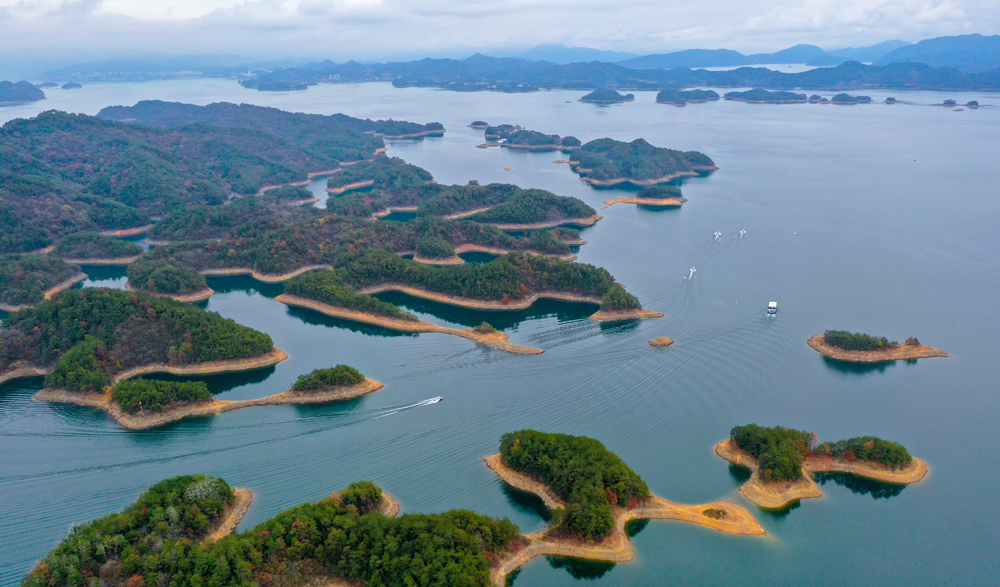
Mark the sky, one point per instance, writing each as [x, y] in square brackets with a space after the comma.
[61, 32]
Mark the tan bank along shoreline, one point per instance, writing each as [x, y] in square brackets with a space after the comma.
[616, 547]
[817, 342]
[49, 293]
[778, 494]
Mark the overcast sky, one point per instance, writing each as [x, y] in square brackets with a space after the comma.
[67, 31]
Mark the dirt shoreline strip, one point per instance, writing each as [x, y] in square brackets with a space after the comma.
[497, 340]
[232, 516]
[778, 494]
[196, 296]
[670, 202]
[616, 547]
[49, 293]
[817, 342]
[104, 261]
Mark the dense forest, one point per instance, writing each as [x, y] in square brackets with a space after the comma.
[156, 541]
[582, 472]
[512, 135]
[90, 334]
[323, 379]
[325, 287]
[24, 279]
[396, 184]
[608, 159]
[353, 138]
[19, 92]
[658, 192]
[779, 451]
[759, 95]
[93, 245]
[675, 96]
[868, 448]
[859, 342]
[152, 395]
[607, 95]
[159, 276]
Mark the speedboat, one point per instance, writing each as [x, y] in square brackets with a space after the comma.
[772, 307]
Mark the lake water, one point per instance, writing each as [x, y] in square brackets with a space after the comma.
[875, 218]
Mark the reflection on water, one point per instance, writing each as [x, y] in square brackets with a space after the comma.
[849, 368]
[500, 319]
[477, 258]
[315, 318]
[220, 382]
[580, 568]
[635, 526]
[740, 474]
[782, 512]
[526, 501]
[244, 283]
[861, 485]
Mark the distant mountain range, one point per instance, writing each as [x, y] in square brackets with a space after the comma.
[968, 53]
[155, 68]
[808, 54]
[561, 54]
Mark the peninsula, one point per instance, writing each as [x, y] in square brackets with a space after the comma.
[94, 248]
[16, 93]
[119, 335]
[683, 97]
[761, 96]
[782, 461]
[159, 278]
[655, 195]
[592, 494]
[139, 404]
[28, 279]
[865, 348]
[607, 162]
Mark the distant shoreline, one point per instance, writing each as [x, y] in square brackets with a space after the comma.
[671, 202]
[196, 296]
[104, 260]
[646, 182]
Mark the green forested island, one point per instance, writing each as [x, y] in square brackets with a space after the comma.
[323, 379]
[761, 96]
[861, 342]
[160, 540]
[843, 98]
[579, 470]
[93, 245]
[610, 162]
[507, 135]
[781, 452]
[113, 331]
[607, 96]
[152, 395]
[158, 276]
[12, 93]
[24, 279]
[682, 97]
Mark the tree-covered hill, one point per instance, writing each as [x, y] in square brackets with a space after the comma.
[582, 472]
[606, 96]
[515, 136]
[157, 541]
[760, 95]
[24, 279]
[610, 160]
[88, 335]
[22, 91]
[674, 96]
[93, 245]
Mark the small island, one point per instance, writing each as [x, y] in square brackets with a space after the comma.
[683, 97]
[20, 92]
[71, 86]
[28, 279]
[661, 341]
[666, 196]
[849, 99]
[479, 124]
[183, 525]
[159, 278]
[607, 162]
[138, 404]
[119, 335]
[761, 96]
[782, 461]
[891, 100]
[607, 96]
[94, 248]
[842, 345]
[516, 137]
[592, 494]
[291, 195]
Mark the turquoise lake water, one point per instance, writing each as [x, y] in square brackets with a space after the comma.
[877, 218]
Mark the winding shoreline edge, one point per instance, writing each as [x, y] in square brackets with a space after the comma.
[616, 547]
[817, 342]
[775, 495]
[49, 293]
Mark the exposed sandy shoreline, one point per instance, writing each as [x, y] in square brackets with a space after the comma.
[647, 182]
[634, 314]
[775, 494]
[128, 231]
[616, 547]
[661, 341]
[520, 304]
[351, 186]
[195, 296]
[588, 221]
[466, 214]
[453, 260]
[817, 342]
[22, 372]
[232, 516]
[104, 261]
[388, 505]
[391, 209]
[473, 248]
[647, 201]
[265, 277]
[49, 293]
[497, 340]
